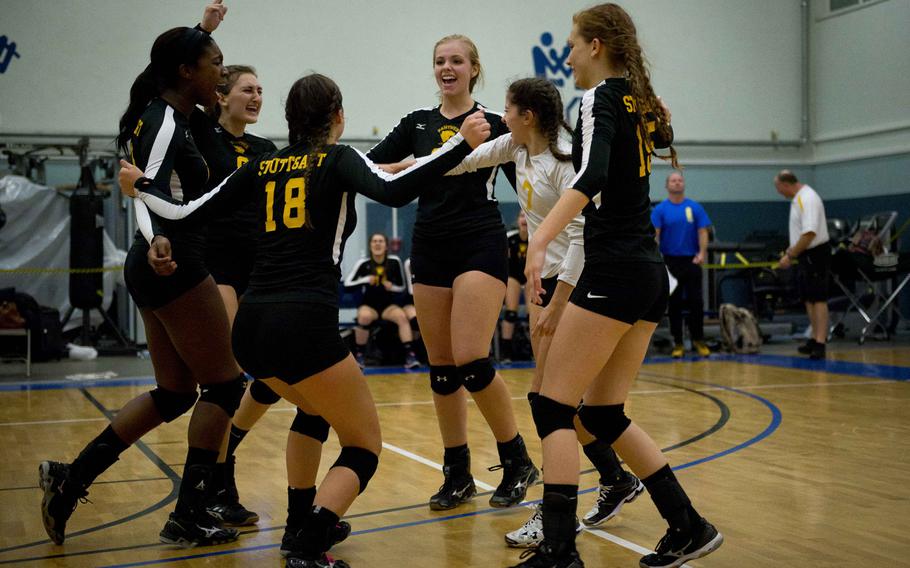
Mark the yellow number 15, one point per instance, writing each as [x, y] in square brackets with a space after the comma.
[294, 215]
[645, 147]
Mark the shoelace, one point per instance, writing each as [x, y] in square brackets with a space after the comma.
[604, 493]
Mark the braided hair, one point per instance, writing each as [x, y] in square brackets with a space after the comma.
[614, 28]
[311, 104]
[541, 97]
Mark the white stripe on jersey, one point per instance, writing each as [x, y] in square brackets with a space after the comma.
[339, 230]
[491, 187]
[161, 144]
[450, 144]
[156, 158]
[587, 131]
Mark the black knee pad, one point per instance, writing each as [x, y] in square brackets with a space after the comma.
[532, 396]
[227, 395]
[170, 404]
[510, 316]
[414, 325]
[477, 375]
[444, 379]
[606, 422]
[550, 416]
[310, 425]
[360, 461]
[262, 394]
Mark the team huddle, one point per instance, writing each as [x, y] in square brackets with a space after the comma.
[246, 240]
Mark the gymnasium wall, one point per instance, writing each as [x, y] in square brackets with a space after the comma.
[78, 59]
[731, 72]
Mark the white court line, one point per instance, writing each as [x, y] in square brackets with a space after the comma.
[429, 402]
[42, 422]
[430, 463]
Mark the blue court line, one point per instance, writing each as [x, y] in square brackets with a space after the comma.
[776, 418]
[867, 370]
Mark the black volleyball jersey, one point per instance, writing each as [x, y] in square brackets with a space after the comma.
[224, 153]
[370, 275]
[612, 157]
[162, 145]
[305, 211]
[456, 205]
[518, 253]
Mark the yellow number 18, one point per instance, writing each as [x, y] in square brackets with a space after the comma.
[294, 215]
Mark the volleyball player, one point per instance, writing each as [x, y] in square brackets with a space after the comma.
[459, 268]
[518, 250]
[286, 331]
[540, 150]
[222, 137]
[619, 298]
[185, 69]
[382, 278]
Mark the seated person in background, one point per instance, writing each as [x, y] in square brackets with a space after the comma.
[408, 299]
[382, 278]
[682, 232]
[518, 250]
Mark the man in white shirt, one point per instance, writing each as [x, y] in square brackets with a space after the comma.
[809, 244]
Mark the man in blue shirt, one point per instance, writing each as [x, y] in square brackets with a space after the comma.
[682, 232]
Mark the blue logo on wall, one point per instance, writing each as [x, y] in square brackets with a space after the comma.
[7, 52]
[550, 63]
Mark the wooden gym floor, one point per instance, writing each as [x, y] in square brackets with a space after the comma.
[797, 463]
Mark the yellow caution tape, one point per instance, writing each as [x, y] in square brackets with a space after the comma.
[746, 264]
[28, 270]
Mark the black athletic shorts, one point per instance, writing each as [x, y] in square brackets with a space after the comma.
[548, 284]
[517, 270]
[624, 291]
[288, 340]
[148, 289]
[812, 273]
[437, 262]
[378, 305]
[230, 266]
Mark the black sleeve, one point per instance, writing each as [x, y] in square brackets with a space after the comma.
[232, 193]
[356, 172]
[598, 127]
[358, 276]
[396, 146]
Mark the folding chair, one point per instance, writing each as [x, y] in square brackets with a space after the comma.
[868, 261]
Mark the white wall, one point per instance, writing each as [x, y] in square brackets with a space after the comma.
[860, 71]
[729, 69]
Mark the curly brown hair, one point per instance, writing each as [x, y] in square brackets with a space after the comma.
[614, 28]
